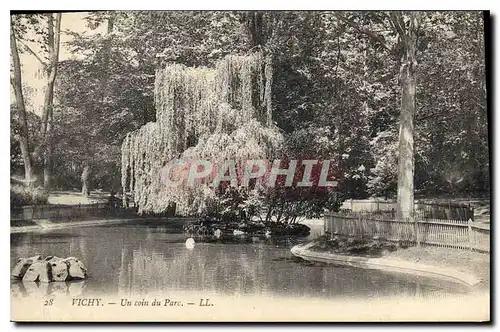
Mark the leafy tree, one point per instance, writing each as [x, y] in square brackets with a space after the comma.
[43, 29]
[345, 85]
[110, 89]
[405, 28]
[23, 136]
[451, 126]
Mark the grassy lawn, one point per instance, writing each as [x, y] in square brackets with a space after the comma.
[472, 262]
[75, 198]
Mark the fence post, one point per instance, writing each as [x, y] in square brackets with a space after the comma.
[326, 221]
[470, 212]
[359, 227]
[469, 230]
[330, 219]
[417, 237]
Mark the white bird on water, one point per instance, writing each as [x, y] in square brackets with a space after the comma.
[218, 233]
[190, 243]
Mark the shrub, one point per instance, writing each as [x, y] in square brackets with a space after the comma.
[22, 195]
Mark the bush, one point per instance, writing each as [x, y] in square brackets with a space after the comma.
[22, 195]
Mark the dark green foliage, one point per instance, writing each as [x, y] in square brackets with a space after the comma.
[355, 247]
[21, 195]
[206, 227]
[335, 94]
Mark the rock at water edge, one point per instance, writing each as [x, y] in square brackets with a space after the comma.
[77, 269]
[23, 265]
[38, 271]
[59, 269]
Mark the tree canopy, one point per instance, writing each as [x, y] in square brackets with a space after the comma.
[336, 93]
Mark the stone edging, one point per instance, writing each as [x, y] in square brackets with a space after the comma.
[303, 252]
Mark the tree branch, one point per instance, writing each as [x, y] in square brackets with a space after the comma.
[392, 21]
[398, 23]
[374, 36]
[32, 52]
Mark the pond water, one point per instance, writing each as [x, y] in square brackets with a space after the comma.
[141, 258]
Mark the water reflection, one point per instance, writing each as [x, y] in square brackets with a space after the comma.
[136, 260]
[32, 289]
[258, 269]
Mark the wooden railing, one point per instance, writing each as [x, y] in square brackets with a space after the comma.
[58, 212]
[435, 232]
[451, 211]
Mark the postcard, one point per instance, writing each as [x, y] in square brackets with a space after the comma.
[250, 166]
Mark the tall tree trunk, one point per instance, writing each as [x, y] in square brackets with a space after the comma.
[262, 28]
[408, 81]
[111, 22]
[51, 71]
[407, 36]
[47, 169]
[85, 181]
[253, 23]
[18, 92]
[406, 160]
[46, 123]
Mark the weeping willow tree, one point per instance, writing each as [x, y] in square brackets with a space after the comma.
[201, 113]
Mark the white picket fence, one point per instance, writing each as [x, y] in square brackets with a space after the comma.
[435, 232]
